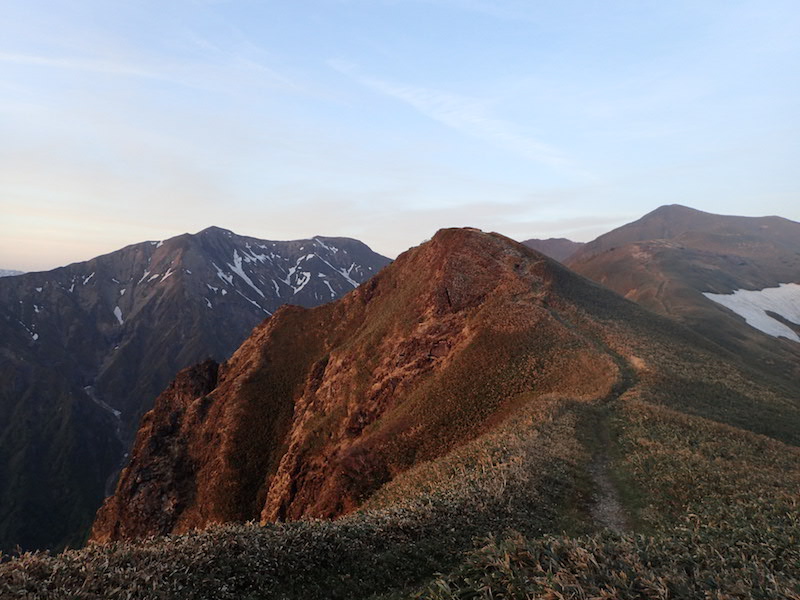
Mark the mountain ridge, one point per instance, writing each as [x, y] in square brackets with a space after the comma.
[436, 350]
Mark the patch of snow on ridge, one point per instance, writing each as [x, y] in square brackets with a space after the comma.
[332, 249]
[328, 283]
[118, 314]
[346, 274]
[752, 306]
[236, 267]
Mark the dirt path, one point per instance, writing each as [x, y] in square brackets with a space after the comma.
[605, 508]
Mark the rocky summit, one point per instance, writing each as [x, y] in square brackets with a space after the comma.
[320, 408]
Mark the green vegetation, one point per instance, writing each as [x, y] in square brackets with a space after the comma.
[721, 509]
[546, 411]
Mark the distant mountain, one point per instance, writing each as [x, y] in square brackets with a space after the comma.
[688, 264]
[87, 348]
[557, 248]
[10, 272]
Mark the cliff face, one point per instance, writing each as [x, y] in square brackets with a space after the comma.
[320, 407]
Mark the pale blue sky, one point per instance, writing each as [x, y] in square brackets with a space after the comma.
[128, 120]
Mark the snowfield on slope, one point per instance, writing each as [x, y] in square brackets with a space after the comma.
[752, 305]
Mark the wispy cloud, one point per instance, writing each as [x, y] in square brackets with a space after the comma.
[79, 64]
[201, 74]
[466, 115]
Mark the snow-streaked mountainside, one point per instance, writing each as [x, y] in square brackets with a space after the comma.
[86, 348]
[10, 272]
[755, 306]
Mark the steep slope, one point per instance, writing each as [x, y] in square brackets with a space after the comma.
[321, 408]
[678, 261]
[9, 272]
[479, 404]
[557, 248]
[87, 347]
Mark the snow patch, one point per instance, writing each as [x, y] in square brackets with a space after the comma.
[167, 274]
[328, 283]
[118, 314]
[302, 279]
[208, 302]
[122, 292]
[224, 276]
[90, 392]
[87, 279]
[146, 273]
[332, 249]
[253, 302]
[159, 244]
[156, 276]
[236, 267]
[38, 289]
[752, 306]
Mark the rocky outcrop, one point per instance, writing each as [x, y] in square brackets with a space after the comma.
[321, 407]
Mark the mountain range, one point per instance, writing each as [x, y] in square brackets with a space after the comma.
[476, 420]
[87, 348]
[321, 408]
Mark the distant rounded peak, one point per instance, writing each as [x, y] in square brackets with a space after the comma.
[669, 210]
[214, 230]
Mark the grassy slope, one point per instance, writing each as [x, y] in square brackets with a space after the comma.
[714, 506]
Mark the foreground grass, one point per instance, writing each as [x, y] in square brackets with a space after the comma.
[723, 507]
[514, 478]
[503, 516]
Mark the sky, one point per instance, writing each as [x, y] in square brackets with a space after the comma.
[384, 120]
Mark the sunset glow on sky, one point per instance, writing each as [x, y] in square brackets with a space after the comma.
[385, 120]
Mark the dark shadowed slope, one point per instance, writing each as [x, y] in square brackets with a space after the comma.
[558, 248]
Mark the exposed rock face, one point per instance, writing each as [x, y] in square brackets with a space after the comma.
[558, 248]
[319, 408]
[667, 259]
[86, 348]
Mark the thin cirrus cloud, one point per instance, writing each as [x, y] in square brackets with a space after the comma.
[209, 72]
[466, 115]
